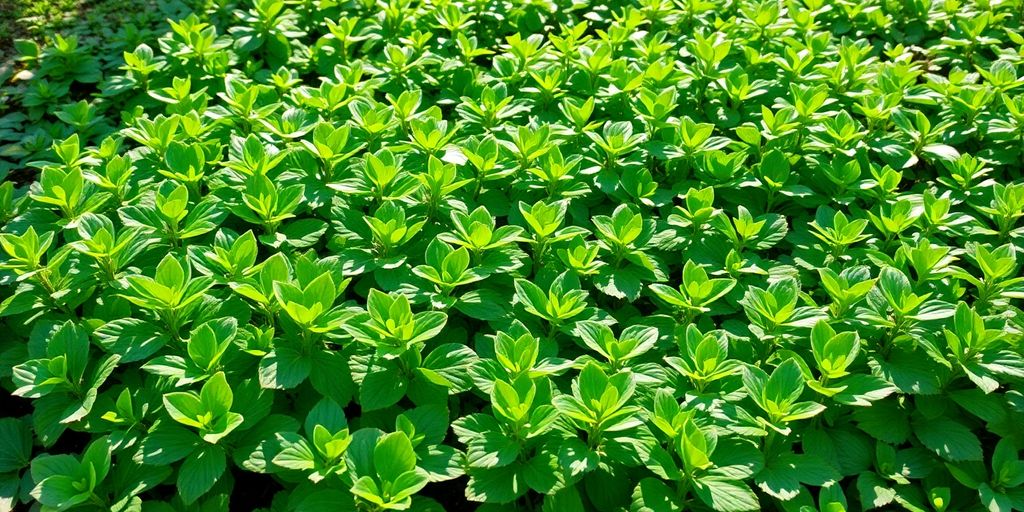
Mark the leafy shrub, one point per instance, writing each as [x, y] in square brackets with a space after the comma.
[67, 51]
[525, 255]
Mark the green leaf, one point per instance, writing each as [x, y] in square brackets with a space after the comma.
[60, 492]
[736, 459]
[576, 459]
[166, 444]
[326, 413]
[442, 463]
[785, 383]
[874, 491]
[606, 490]
[366, 488]
[382, 388]
[284, 368]
[296, 453]
[652, 495]
[393, 456]
[913, 373]
[48, 415]
[96, 459]
[884, 421]
[302, 233]
[9, 486]
[726, 495]
[316, 500]
[861, 390]
[133, 339]
[452, 362]
[483, 304]
[498, 485]
[948, 438]
[200, 471]
[407, 484]
[621, 283]
[784, 473]
[184, 407]
[71, 342]
[216, 395]
[170, 273]
[15, 445]
[532, 297]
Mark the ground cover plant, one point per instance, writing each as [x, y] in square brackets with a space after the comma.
[53, 54]
[546, 255]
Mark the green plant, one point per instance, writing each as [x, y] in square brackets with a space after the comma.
[553, 256]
